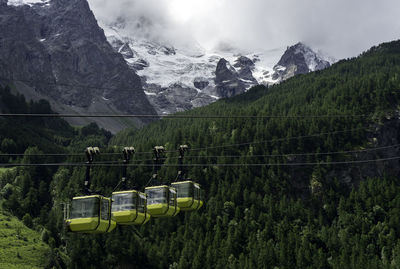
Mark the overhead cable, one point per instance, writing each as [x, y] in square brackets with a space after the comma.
[198, 149]
[173, 116]
[207, 164]
[278, 139]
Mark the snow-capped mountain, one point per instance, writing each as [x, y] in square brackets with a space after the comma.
[299, 59]
[177, 78]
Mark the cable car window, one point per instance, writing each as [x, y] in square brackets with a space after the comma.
[156, 196]
[172, 195]
[124, 201]
[85, 208]
[142, 203]
[184, 189]
[105, 207]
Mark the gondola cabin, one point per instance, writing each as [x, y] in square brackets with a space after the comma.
[91, 214]
[188, 195]
[130, 207]
[161, 201]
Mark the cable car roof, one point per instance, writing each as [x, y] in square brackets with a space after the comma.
[157, 187]
[128, 191]
[182, 182]
[89, 196]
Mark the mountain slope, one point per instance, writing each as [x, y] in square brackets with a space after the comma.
[57, 49]
[20, 246]
[343, 89]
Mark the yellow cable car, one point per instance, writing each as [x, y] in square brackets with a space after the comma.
[130, 207]
[91, 214]
[188, 195]
[162, 201]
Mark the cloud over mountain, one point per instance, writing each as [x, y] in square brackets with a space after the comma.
[342, 28]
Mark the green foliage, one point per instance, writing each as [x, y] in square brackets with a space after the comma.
[27, 220]
[20, 247]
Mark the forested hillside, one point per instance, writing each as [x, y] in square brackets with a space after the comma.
[27, 192]
[314, 185]
[20, 247]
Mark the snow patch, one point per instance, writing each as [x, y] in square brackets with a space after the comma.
[150, 93]
[264, 62]
[28, 2]
[246, 81]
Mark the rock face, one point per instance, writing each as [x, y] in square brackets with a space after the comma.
[58, 50]
[200, 83]
[245, 68]
[175, 98]
[298, 59]
[227, 80]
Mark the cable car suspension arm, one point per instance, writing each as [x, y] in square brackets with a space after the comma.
[158, 152]
[90, 153]
[128, 153]
[182, 149]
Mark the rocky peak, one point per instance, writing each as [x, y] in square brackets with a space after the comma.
[243, 61]
[298, 59]
[227, 80]
[245, 68]
[224, 71]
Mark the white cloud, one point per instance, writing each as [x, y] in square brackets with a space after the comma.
[342, 28]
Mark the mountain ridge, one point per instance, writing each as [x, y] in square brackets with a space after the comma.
[162, 67]
[64, 54]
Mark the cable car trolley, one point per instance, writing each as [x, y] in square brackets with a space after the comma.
[90, 213]
[161, 199]
[129, 206]
[189, 193]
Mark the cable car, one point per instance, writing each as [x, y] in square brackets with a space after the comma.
[162, 201]
[130, 207]
[91, 214]
[188, 195]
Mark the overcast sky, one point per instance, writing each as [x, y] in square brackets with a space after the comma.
[341, 28]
